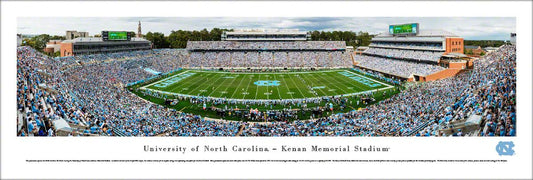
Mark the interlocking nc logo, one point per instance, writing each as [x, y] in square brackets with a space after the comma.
[505, 148]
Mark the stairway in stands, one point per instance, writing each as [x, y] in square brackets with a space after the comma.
[117, 132]
[241, 129]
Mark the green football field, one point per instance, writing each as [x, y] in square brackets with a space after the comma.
[255, 86]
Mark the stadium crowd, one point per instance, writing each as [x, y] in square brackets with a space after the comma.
[267, 59]
[397, 67]
[423, 110]
[88, 92]
[431, 56]
[91, 97]
[410, 45]
[266, 45]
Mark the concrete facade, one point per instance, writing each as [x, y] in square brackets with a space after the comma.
[75, 34]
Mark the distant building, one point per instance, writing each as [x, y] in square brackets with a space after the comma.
[81, 46]
[490, 49]
[52, 46]
[75, 34]
[441, 41]
[476, 50]
[19, 40]
[513, 38]
[266, 35]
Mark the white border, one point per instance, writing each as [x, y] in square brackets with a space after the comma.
[15, 150]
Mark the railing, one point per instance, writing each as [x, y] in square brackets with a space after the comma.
[410, 133]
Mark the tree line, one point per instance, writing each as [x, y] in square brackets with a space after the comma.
[179, 38]
[39, 42]
[484, 43]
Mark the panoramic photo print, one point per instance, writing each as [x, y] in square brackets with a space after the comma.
[272, 76]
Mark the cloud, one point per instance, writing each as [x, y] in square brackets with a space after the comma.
[467, 27]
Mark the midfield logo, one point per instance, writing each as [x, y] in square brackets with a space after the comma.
[267, 83]
[505, 148]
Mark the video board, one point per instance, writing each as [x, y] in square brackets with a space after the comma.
[116, 36]
[404, 29]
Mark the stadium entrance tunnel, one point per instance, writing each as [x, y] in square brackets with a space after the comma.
[416, 77]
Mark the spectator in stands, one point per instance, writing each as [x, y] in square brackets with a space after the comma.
[88, 91]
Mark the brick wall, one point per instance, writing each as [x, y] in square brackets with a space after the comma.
[454, 45]
[442, 74]
[49, 50]
[66, 49]
[457, 65]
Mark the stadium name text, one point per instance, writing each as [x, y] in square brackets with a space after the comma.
[345, 148]
[360, 79]
[254, 148]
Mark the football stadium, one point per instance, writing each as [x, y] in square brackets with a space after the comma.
[408, 81]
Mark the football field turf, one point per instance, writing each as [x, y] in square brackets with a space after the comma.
[256, 86]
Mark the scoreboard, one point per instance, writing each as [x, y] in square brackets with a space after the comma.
[404, 29]
[116, 36]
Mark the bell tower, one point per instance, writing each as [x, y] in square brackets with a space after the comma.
[139, 30]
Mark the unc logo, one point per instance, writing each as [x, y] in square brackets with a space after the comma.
[267, 83]
[505, 148]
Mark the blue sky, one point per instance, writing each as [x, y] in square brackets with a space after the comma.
[471, 28]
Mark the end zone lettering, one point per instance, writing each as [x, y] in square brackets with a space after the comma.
[173, 80]
[359, 79]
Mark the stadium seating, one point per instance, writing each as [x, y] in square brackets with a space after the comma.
[431, 56]
[266, 45]
[397, 67]
[410, 45]
[88, 91]
[269, 54]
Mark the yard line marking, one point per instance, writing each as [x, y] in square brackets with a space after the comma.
[257, 89]
[237, 88]
[181, 110]
[231, 84]
[297, 87]
[221, 77]
[267, 93]
[203, 83]
[200, 83]
[247, 86]
[325, 94]
[333, 84]
[287, 86]
[279, 93]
